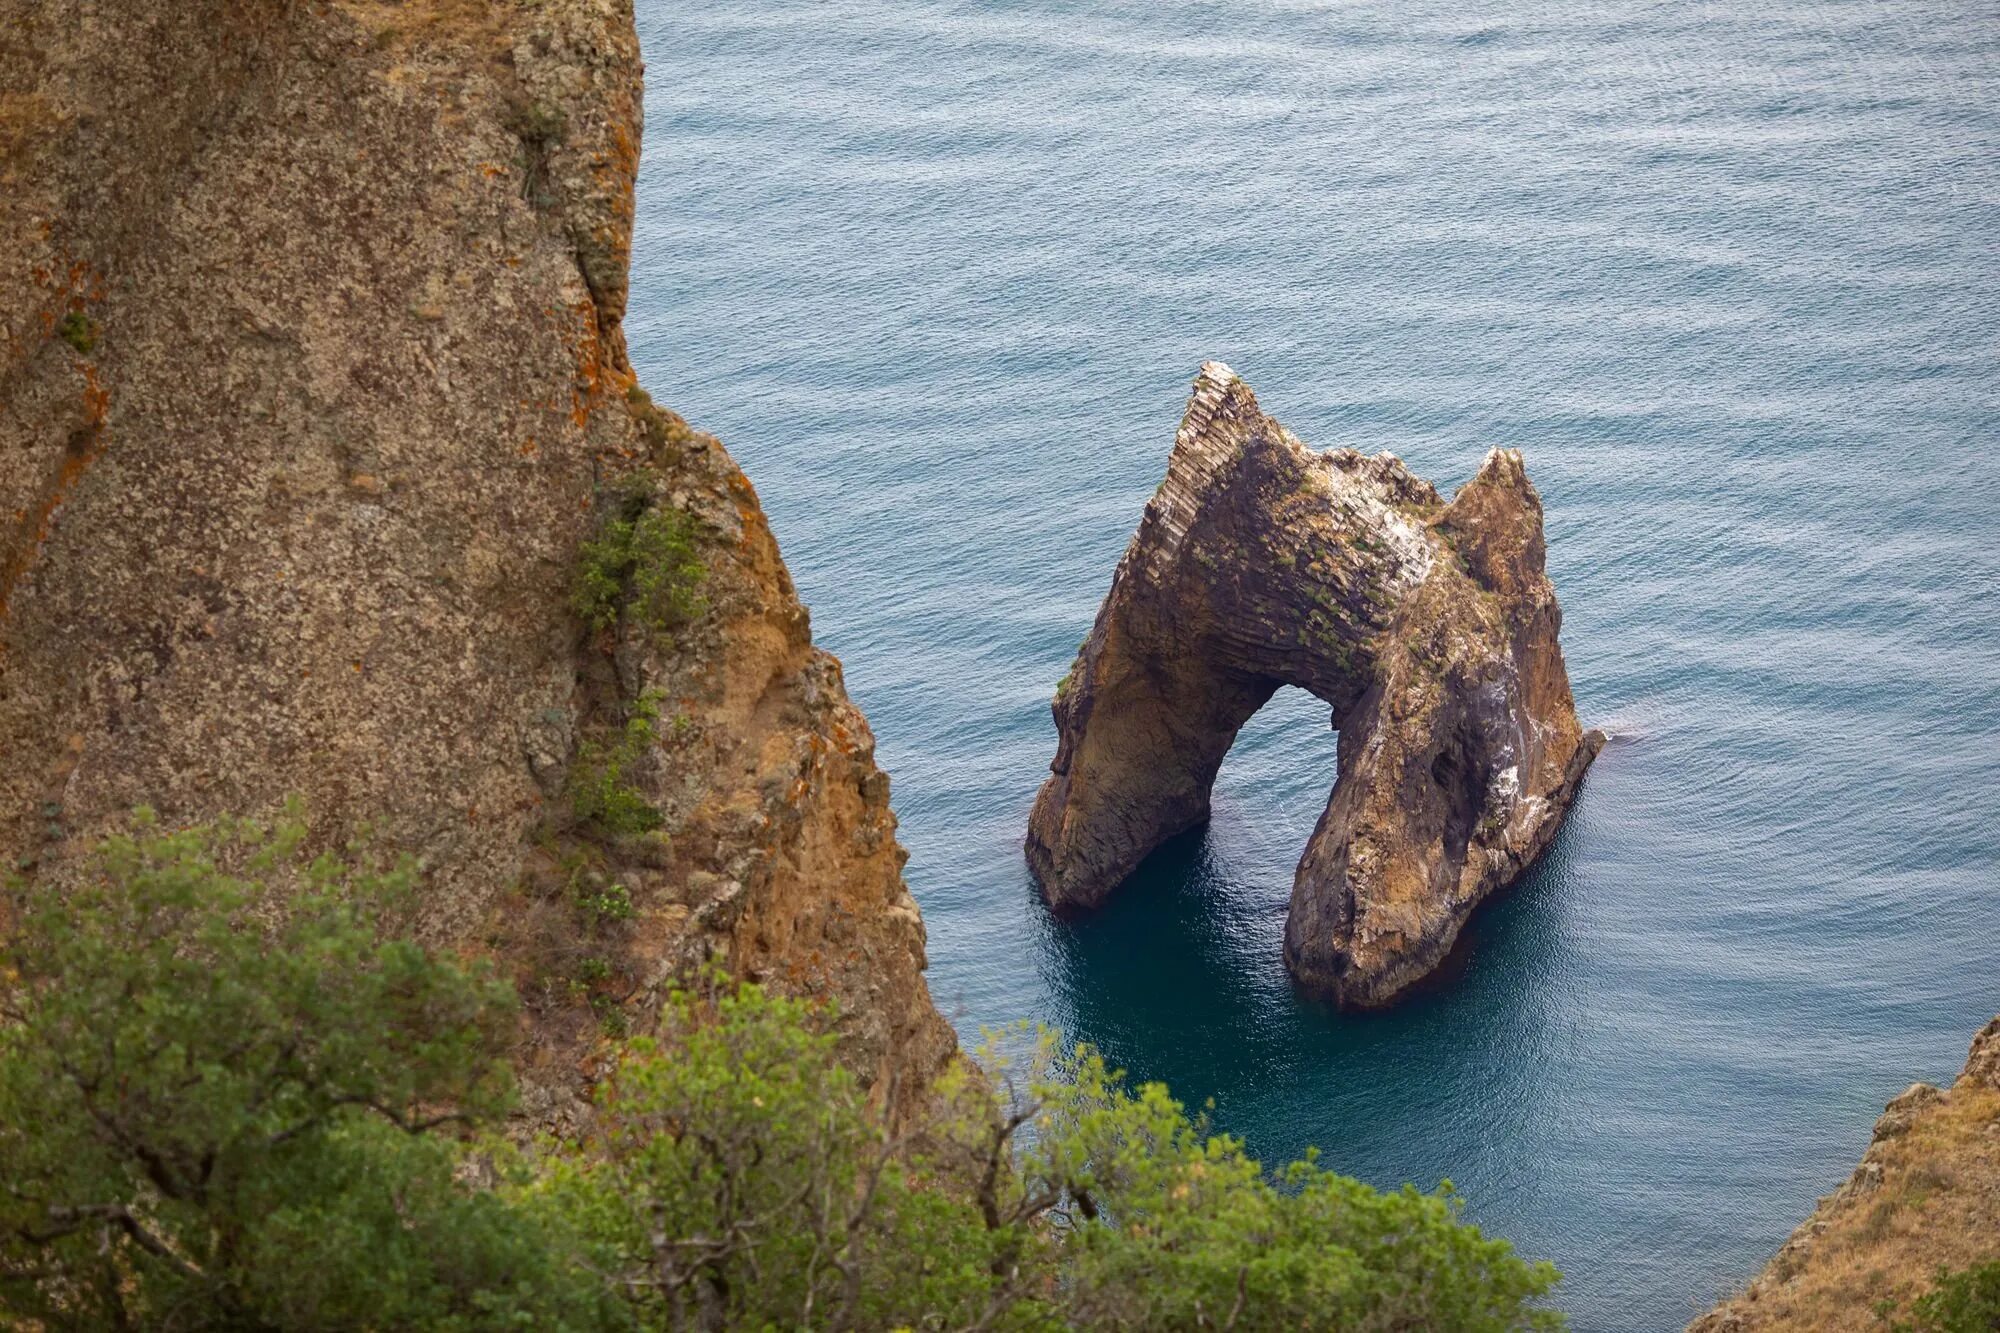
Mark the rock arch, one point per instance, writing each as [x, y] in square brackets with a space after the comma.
[1429, 628]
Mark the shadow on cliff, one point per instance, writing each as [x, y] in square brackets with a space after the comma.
[1179, 979]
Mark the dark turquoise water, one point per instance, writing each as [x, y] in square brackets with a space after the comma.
[940, 274]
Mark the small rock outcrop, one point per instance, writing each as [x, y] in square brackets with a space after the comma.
[1925, 1196]
[1428, 627]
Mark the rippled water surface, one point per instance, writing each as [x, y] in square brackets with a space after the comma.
[940, 274]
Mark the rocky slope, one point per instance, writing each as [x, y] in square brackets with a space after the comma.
[1926, 1195]
[312, 390]
[1429, 628]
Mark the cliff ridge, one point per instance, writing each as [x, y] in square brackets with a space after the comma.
[315, 391]
[1925, 1196]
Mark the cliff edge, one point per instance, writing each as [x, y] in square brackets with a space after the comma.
[315, 411]
[1925, 1196]
[1430, 629]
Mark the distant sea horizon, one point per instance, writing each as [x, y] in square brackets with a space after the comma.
[939, 275]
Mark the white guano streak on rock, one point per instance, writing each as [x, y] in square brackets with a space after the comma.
[1362, 502]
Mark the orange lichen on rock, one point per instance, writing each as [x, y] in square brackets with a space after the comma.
[35, 522]
[588, 346]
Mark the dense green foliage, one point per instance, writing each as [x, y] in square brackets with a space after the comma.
[1967, 1301]
[601, 792]
[233, 1095]
[1170, 1227]
[642, 562]
[740, 1178]
[220, 1069]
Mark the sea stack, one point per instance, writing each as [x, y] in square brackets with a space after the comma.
[1429, 628]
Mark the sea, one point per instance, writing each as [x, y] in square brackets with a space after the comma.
[940, 274]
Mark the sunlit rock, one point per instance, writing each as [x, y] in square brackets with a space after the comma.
[1430, 629]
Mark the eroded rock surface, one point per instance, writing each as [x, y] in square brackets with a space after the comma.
[1429, 627]
[312, 384]
[1925, 1196]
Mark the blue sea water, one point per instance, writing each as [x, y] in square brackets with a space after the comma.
[940, 273]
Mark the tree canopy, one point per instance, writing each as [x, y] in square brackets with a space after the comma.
[234, 1093]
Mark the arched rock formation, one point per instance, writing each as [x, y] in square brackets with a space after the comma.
[1429, 628]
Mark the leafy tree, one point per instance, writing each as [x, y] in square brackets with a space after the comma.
[1167, 1226]
[741, 1177]
[220, 1073]
[233, 1095]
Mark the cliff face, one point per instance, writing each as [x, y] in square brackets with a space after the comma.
[312, 388]
[1430, 629]
[1926, 1195]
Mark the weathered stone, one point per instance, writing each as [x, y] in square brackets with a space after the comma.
[1924, 1198]
[312, 381]
[1982, 1067]
[1904, 1109]
[1430, 629]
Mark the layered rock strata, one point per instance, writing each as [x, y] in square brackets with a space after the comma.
[1925, 1196]
[312, 388]
[1430, 629]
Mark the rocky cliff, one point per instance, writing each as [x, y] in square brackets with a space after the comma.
[323, 472]
[1429, 628]
[1926, 1195]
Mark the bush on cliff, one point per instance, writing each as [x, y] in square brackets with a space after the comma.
[643, 561]
[740, 1177]
[1171, 1227]
[222, 1073]
[1967, 1301]
[232, 1095]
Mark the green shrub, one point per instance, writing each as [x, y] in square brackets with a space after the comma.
[223, 1078]
[666, 570]
[600, 786]
[644, 561]
[1967, 1301]
[742, 1178]
[222, 1071]
[80, 331]
[613, 902]
[1167, 1226]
